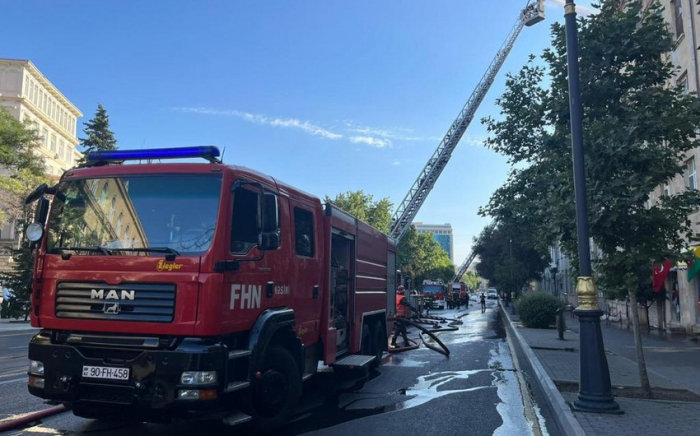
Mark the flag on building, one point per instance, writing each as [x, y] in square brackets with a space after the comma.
[694, 263]
[659, 274]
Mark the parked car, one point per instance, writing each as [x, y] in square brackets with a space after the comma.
[492, 294]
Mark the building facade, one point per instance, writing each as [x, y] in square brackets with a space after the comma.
[681, 306]
[442, 233]
[31, 97]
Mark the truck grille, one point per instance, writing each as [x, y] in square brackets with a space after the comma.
[143, 302]
[107, 394]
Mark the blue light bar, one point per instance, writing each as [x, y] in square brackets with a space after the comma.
[208, 152]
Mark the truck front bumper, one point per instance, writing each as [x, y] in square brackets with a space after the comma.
[152, 382]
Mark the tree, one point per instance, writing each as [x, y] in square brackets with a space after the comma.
[99, 136]
[508, 257]
[421, 258]
[364, 207]
[22, 172]
[471, 279]
[637, 131]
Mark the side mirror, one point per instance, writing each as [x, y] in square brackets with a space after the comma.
[270, 213]
[42, 211]
[38, 192]
[269, 240]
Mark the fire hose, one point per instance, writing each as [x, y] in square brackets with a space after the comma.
[434, 321]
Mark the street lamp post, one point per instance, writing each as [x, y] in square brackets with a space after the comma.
[595, 391]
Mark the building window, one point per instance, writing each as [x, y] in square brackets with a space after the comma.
[678, 17]
[667, 189]
[104, 195]
[682, 82]
[45, 137]
[120, 219]
[127, 233]
[60, 149]
[53, 142]
[26, 87]
[112, 208]
[31, 92]
[691, 178]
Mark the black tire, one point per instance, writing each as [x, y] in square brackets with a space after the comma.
[276, 394]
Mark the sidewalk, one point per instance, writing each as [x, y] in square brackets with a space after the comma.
[673, 365]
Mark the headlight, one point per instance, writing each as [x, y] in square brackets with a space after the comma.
[198, 378]
[36, 367]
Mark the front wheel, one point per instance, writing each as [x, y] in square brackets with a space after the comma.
[276, 393]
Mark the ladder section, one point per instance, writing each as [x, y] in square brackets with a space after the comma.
[408, 208]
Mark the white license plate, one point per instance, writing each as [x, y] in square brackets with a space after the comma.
[106, 372]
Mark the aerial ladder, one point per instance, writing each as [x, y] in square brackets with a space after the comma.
[470, 258]
[408, 208]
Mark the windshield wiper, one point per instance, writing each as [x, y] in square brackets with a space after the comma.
[97, 249]
[167, 250]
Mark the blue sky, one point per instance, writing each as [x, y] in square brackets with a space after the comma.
[327, 96]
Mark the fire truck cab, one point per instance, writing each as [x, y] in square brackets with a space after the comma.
[184, 289]
[435, 290]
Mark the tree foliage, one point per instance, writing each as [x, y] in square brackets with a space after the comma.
[419, 256]
[636, 133]
[98, 134]
[22, 172]
[376, 213]
[507, 257]
[471, 279]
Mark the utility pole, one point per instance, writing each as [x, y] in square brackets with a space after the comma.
[595, 391]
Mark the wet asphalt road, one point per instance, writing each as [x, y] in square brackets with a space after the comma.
[475, 391]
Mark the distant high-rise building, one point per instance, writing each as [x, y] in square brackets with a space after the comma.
[442, 233]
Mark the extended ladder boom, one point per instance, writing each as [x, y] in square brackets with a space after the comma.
[407, 210]
[468, 261]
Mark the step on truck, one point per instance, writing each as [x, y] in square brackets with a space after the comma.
[184, 290]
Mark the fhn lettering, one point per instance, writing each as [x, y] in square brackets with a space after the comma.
[247, 296]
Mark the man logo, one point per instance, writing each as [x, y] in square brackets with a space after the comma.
[113, 294]
[113, 308]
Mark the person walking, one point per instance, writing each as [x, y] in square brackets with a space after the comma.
[482, 298]
[403, 310]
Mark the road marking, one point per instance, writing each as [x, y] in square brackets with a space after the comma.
[24, 379]
[18, 334]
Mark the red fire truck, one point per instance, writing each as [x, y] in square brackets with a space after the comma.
[185, 289]
[434, 290]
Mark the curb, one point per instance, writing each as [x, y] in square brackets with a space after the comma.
[562, 413]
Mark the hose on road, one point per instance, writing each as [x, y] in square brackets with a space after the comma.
[434, 321]
[31, 417]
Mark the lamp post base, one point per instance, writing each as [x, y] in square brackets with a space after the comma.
[595, 390]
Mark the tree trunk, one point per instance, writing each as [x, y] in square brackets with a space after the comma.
[646, 308]
[641, 363]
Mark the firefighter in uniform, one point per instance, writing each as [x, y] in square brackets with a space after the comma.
[403, 310]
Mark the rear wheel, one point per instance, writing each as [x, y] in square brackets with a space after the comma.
[276, 393]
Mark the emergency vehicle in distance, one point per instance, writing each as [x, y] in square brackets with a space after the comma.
[435, 291]
[462, 290]
[198, 289]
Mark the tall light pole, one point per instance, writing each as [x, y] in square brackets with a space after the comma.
[595, 391]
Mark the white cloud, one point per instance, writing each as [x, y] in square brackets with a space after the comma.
[290, 123]
[371, 140]
[396, 163]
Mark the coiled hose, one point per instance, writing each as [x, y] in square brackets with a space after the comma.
[434, 321]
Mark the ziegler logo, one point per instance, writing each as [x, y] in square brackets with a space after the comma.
[162, 266]
[113, 294]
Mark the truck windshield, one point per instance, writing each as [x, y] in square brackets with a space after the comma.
[432, 289]
[120, 215]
